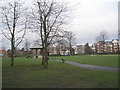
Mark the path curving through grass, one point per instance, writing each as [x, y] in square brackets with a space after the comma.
[94, 67]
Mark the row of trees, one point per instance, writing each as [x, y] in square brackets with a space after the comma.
[45, 17]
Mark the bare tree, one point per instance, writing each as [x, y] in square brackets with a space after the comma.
[57, 38]
[70, 37]
[49, 18]
[63, 45]
[14, 23]
[102, 37]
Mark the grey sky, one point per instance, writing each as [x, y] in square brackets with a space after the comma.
[92, 16]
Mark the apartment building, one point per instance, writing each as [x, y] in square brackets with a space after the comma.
[107, 46]
[80, 49]
[59, 50]
[115, 45]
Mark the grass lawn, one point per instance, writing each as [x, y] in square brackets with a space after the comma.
[99, 60]
[27, 73]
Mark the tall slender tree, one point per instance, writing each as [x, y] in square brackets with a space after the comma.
[70, 37]
[14, 24]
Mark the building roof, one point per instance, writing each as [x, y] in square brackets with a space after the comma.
[108, 42]
[115, 41]
[100, 42]
[36, 47]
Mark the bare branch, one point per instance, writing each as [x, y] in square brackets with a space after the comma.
[8, 23]
[6, 35]
[23, 34]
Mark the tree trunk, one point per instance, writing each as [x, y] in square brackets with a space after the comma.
[45, 43]
[42, 57]
[46, 56]
[103, 47]
[70, 50]
[12, 53]
[27, 53]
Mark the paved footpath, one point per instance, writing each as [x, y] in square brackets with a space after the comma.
[92, 66]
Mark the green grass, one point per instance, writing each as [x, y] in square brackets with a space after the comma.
[108, 61]
[27, 73]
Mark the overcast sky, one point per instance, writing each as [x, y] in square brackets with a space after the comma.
[90, 17]
[94, 16]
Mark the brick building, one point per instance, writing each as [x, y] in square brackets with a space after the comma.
[3, 53]
[107, 46]
[59, 50]
[80, 49]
